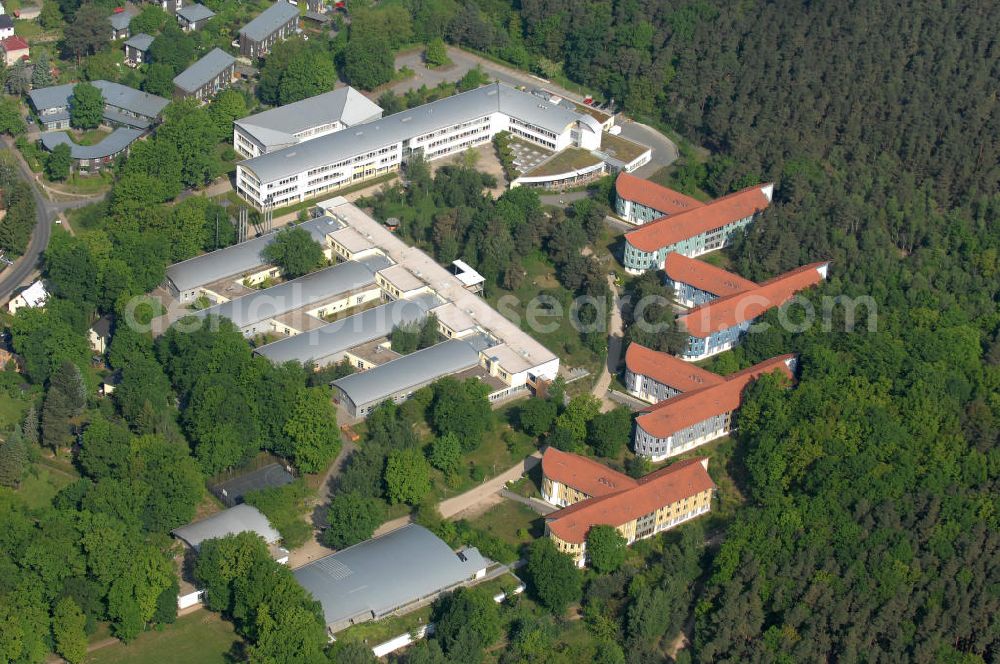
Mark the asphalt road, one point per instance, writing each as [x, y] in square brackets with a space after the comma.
[45, 212]
[664, 151]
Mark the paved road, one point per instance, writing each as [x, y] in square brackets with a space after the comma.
[664, 150]
[563, 199]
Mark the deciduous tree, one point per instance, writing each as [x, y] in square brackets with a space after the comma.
[407, 476]
[295, 252]
[606, 548]
[58, 162]
[555, 580]
[312, 429]
[86, 106]
[352, 518]
[68, 629]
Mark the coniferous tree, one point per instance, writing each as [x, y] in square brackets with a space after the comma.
[30, 426]
[13, 460]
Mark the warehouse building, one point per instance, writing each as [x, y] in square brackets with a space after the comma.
[272, 25]
[304, 120]
[721, 324]
[212, 73]
[388, 575]
[434, 130]
[694, 418]
[212, 273]
[592, 494]
[695, 231]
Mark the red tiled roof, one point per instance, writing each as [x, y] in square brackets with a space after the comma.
[666, 486]
[583, 474]
[704, 276]
[671, 230]
[670, 416]
[663, 200]
[668, 370]
[14, 43]
[734, 309]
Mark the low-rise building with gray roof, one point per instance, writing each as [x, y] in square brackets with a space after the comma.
[207, 76]
[120, 20]
[193, 17]
[273, 24]
[233, 521]
[252, 313]
[123, 106]
[137, 48]
[303, 120]
[397, 380]
[434, 130]
[387, 575]
[185, 280]
[92, 158]
[328, 344]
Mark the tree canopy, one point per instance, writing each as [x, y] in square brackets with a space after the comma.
[295, 252]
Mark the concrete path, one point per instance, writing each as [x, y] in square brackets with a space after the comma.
[616, 337]
[485, 494]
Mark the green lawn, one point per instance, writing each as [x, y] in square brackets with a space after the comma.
[11, 411]
[41, 485]
[511, 521]
[90, 137]
[380, 631]
[201, 637]
[570, 159]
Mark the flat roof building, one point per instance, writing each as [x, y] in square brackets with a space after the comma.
[387, 575]
[434, 130]
[212, 73]
[304, 120]
[273, 24]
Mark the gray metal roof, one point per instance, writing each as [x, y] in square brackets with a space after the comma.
[115, 142]
[339, 336]
[140, 41]
[235, 520]
[194, 13]
[462, 107]
[309, 289]
[117, 117]
[269, 20]
[130, 99]
[237, 259]
[410, 371]
[208, 67]
[121, 20]
[378, 575]
[277, 126]
[115, 94]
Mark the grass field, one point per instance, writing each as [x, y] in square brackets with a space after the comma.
[11, 411]
[570, 159]
[90, 137]
[513, 522]
[201, 637]
[41, 485]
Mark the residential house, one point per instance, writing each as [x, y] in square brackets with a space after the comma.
[207, 76]
[99, 334]
[193, 17]
[275, 23]
[6, 26]
[137, 49]
[120, 19]
[14, 49]
[33, 297]
[97, 157]
[592, 494]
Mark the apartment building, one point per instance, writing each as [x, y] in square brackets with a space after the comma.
[720, 324]
[654, 376]
[304, 120]
[592, 494]
[440, 128]
[202, 80]
[696, 231]
[696, 282]
[123, 106]
[682, 423]
[639, 201]
[275, 23]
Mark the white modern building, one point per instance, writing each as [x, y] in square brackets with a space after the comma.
[441, 128]
[304, 120]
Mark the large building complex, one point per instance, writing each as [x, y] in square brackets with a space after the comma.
[696, 282]
[694, 231]
[123, 106]
[387, 575]
[592, 494]
[303, 120]
[379, 283]
[720, 324]
[654, 376]
[639, 201]
[681, 423]
[434, 130]
[273, 24]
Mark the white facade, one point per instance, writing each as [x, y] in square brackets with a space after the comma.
[658, 449]
[33, 296]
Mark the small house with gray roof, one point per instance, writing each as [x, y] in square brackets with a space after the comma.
[272, 25]
[193, 17]
[207, 76]
[120, 21]
[137, 49]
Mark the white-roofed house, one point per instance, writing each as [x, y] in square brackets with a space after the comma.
[33, 297]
